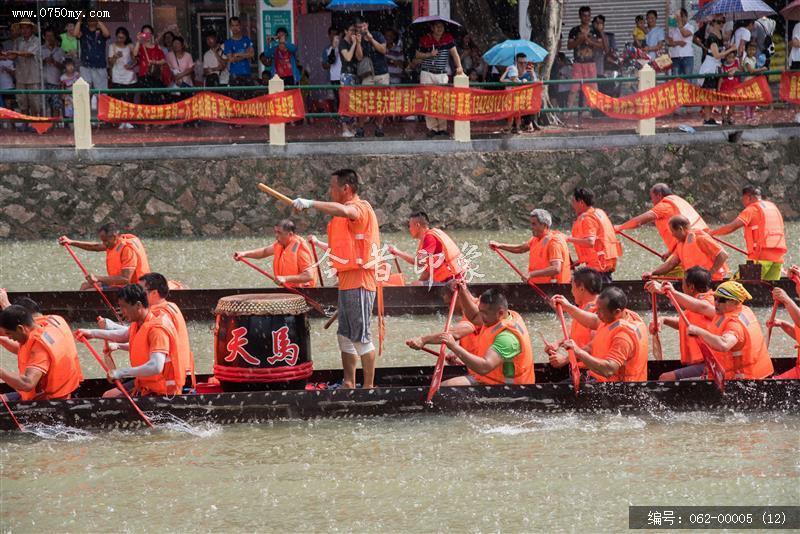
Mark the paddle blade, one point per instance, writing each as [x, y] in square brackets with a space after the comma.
[713, 367]
[574, 372]
[658, 352]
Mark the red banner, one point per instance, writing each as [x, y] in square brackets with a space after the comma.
[40, 124]
[283, 107]
[666, 98]
[790, 87]
[451, 103]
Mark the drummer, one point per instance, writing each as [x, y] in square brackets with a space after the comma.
[292, 259]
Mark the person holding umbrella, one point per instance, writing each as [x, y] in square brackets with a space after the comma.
[435, 50]
[520, 72]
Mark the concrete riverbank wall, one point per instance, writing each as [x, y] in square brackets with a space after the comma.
[216, 196]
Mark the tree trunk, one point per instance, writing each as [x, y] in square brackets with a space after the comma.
[545, 17]
[480, 22]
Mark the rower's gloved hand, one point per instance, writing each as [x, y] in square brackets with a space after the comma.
[300, 204]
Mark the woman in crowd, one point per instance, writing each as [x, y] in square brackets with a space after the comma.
[152, 65]
[716, 52]
[123, 68]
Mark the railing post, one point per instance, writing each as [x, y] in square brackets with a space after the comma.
[82, 115]
[277, 132]
[647, 80]
[461, 129]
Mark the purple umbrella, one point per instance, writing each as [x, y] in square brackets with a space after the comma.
[735, 10]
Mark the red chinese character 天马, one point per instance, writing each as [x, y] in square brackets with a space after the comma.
[236, 347]
[283, 350]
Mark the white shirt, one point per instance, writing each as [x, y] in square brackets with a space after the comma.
[794, 55]
[685, 50]
[210, 61]
[654, 36]
[335, 71]
[120, 74]
[741, 34]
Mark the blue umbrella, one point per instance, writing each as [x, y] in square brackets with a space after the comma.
[361, 5]
[505, 53]
[735, 9]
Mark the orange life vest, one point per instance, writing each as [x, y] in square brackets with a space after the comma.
[607, 247]
[470, 341]
[350, 250]
[632, 327]
[690, 350]
[517, 371]
[285, 260]
[766, 232]
[171, 379]
[749, 359]
[447, 267]
[692, 255]
[184, 349]
[64, 374]
[580, 334]
[678, 206]
[114, 257]
[537, 258]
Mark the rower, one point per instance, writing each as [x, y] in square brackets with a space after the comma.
[697, 299]
[548, 253]
[354, 251]
[763, 232]
[33, 308]
[665, 206]
[586, 286]
[619, 350]
[692, 249]
[792, 328]
[292, 260]
[464, 331]
[153, 346]
[735, 335]
[593, 235]
[503, 353]
[126, 259]
[47, 359]
[438, 258]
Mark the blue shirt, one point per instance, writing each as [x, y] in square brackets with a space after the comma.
[93, 48]
[292, 49]
[237, 46]
[379, 64]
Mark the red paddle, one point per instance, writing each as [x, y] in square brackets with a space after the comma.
[712, 363]
[11, 413]
[80, 337]
[636, 241]
[729, 245]
[436, 379]
[524, 278]
[316, 262]
[94, 284]
[311, 302]
[574, 370]
[773, 313]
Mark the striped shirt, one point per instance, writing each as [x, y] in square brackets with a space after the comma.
[438, 64]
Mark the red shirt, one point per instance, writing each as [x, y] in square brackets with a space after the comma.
[147, 55]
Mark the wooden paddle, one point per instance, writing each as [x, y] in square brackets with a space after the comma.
[94, 284]
[311, 302]
[80, 337]
[658, 352]
[772, 315]
[729, 245]
[524, 278]
[278, 195]
[11, 413]
[436, 379]
[637, 242]
[574, 370]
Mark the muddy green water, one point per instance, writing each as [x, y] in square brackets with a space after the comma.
[475, 472]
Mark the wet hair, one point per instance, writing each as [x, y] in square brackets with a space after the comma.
[699, 278]
[495, 299]
[133, 293]
[614, 298]
[751, 190]
[543, 216]
[29, 304]
[287, 225]
[347, 177]
[661, 189]
[109, 228]
[584, 194]
[124, 31]
[584, 9]
[15, 316]
[589, 279]
[639, 18]
[420, 217]
[678, 221]
[156, 282]
[652, 12]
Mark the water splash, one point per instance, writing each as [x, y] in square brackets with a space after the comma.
[58, 432]
[173, 423]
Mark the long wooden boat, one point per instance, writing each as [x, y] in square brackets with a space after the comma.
[196, 304]
[402, 391]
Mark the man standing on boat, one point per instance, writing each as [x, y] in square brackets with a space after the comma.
[156, 368]
[354, 251]
[692, 249]
[548, 253]
[47, 359]
[763, 232]
[619, 350]
[665, 206]
[438, 258]
[586, 286]
[126, 259]
[292, 259]
[503, 353]
[593, 235]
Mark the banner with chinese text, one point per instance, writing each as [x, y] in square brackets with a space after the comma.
[666, 98]
[283, 107]
[790, 87]
[40, 124]
[451, 103]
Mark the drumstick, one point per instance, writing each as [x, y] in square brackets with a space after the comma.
[331, 320]
[280, 196]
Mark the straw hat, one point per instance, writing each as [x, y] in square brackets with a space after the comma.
[23, 22]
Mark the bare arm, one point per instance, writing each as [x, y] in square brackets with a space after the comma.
[257, 253]
[722, 343]
[456, 60]
[9, 344]
[672, 262]
[118, 335]
[585, 318]
[639, 220]
[603, 367]
[479, 364]
[719, 261]
[514, 249]
[87, 245]
[103, 30]
[348, 53]
[22, 382]
[123, 278]
[728, 228]
[552, 270]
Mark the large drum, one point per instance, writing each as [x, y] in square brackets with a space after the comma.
[261, 339]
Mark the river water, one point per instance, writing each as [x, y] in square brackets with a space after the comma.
[474, 472]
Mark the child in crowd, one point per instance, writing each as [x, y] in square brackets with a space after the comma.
[639, 32]
[69, 77]
[729, 82]
[750, 66]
